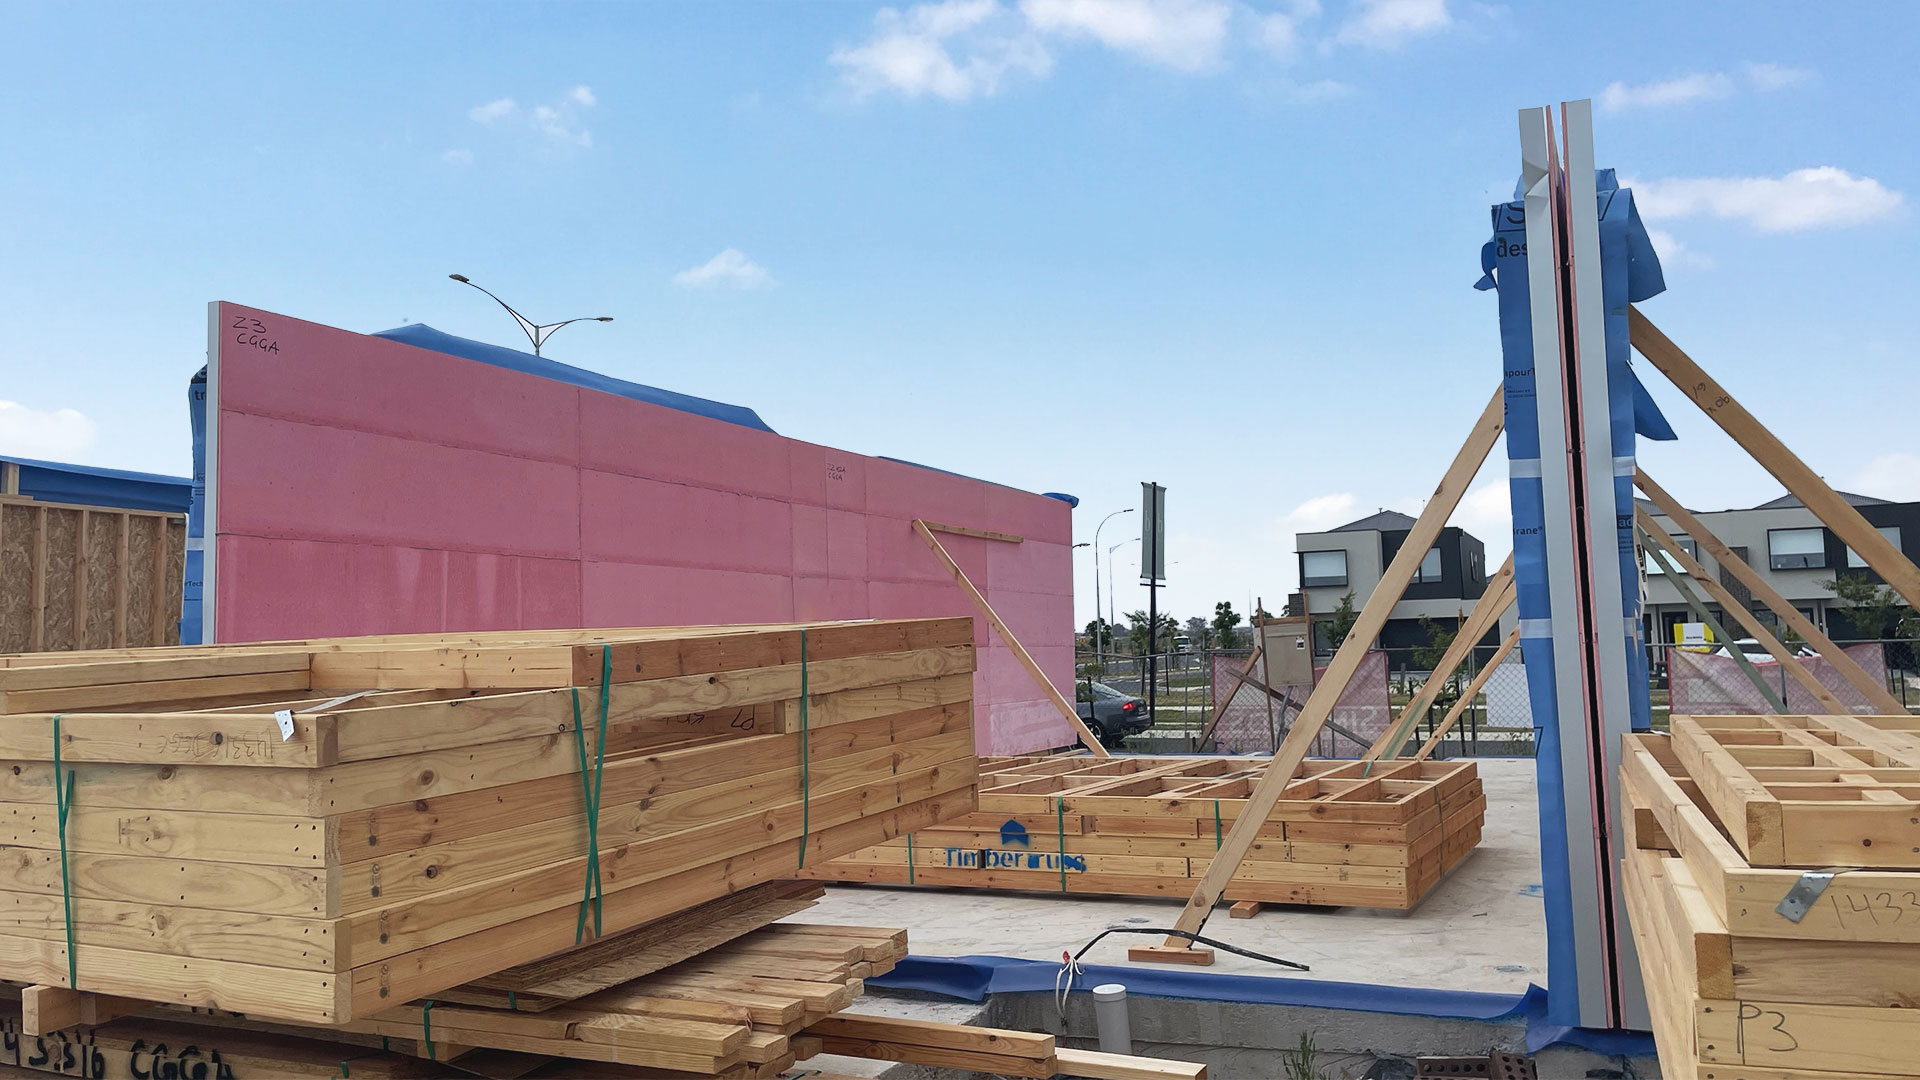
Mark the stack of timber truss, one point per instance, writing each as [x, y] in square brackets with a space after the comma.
[318, 832]
[1147, 826]
[1773, 881]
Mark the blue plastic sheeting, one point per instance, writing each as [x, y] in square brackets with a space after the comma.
[422, 336]
[192, 617]
[972, 978]
[84, 485]
[1630, 271]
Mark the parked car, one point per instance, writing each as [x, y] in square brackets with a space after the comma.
[1110, 714]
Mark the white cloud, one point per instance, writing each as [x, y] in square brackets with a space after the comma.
[1674, 253]
[1185, 35]
[1320, 513]
[457, 157]
[1318, 90]
[1893, 476]
[560, 122]
[60, 435]
[1389, 24]
[730, 269]
[1703, 86]
[1700, 86]
[493, 110]
[953, 49]
[1279, 32]
[1776, 76]
[1823, 197]
[1487, 512]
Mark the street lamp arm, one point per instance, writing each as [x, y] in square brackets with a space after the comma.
[527, 325]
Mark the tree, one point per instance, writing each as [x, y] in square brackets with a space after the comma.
[1199, 632]
[1439, 640]
[1137, 635]
[1340, 623]
[1224, 621]
[1873, 610]
[1099, 635]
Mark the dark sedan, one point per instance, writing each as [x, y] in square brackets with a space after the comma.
[1110, 714]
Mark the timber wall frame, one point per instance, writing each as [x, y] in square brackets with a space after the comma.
[88, 577]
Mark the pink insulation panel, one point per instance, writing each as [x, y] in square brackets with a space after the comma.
[364, 486]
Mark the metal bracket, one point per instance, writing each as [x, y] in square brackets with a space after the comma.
[1800, 899]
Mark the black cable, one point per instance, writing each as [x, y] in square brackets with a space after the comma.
[1196, 939]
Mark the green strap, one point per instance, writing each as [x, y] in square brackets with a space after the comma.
[1060, 826]
[384, 1046]
[590, 786]
[343, 1069]
[426, 1029]
[513, 1003]
[63, 799]
[805, 780]
[1216, 824]
[909, 858]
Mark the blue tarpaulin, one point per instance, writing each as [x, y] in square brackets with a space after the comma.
[1630, 271]
[85, 485]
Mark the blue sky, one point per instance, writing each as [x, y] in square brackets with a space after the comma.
[1064, 244]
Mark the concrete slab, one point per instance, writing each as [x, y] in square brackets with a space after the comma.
[1482, 929]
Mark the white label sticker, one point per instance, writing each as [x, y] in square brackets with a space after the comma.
[285, 717]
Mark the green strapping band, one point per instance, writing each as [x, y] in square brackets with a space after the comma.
[1216, 824]
[590, 794]
[909, 858]
[805, 797]
[1060, 825]
[63, 798]
[383, 1044]
[426, 1028]
[343, 1070]
[513, 1003]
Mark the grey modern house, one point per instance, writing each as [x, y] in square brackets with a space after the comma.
[1351, 558]
[1791, 549]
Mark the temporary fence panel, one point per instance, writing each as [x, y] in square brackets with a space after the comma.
[1712, 684]
[1249, 726]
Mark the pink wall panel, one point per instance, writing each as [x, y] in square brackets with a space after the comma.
[365, 486]
[357, 486]
[473, 404]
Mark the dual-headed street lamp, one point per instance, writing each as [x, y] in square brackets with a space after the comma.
[536, 333]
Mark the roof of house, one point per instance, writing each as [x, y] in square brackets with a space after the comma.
[1384, 521]
[87, 485]
[1790, 500]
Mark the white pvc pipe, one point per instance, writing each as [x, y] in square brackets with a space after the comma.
[1110, 1018]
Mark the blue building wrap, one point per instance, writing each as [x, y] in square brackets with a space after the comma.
[192, 625]
[1631, 272]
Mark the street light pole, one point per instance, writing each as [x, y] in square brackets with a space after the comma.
[1110, 551]
[1098, 653]
[536, 332]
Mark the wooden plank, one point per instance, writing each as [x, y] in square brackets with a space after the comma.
[983, 534]
[1839, 515]
[936, 1056]
[1386, 593]
[1740, 612]
[46, 1009]
[1875, 690]
[1198, 955]
[1245, 909]
[163, 579]
[1466, 696]
[997, 1042]
[1099, 1066]
[80, 559]
[1065, 708]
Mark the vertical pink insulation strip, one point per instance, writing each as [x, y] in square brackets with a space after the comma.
[365, 486]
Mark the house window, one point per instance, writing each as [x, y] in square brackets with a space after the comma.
[1656, 566]
[1429, 571]
[1891, 532]
[1796, 549]
[1321, 568]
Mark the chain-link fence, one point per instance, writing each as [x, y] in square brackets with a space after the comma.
[1188, 689]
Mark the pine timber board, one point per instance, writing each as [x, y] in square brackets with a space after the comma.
[414, 836]
[79, 577]
[1738, 989]
[1145, 826]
